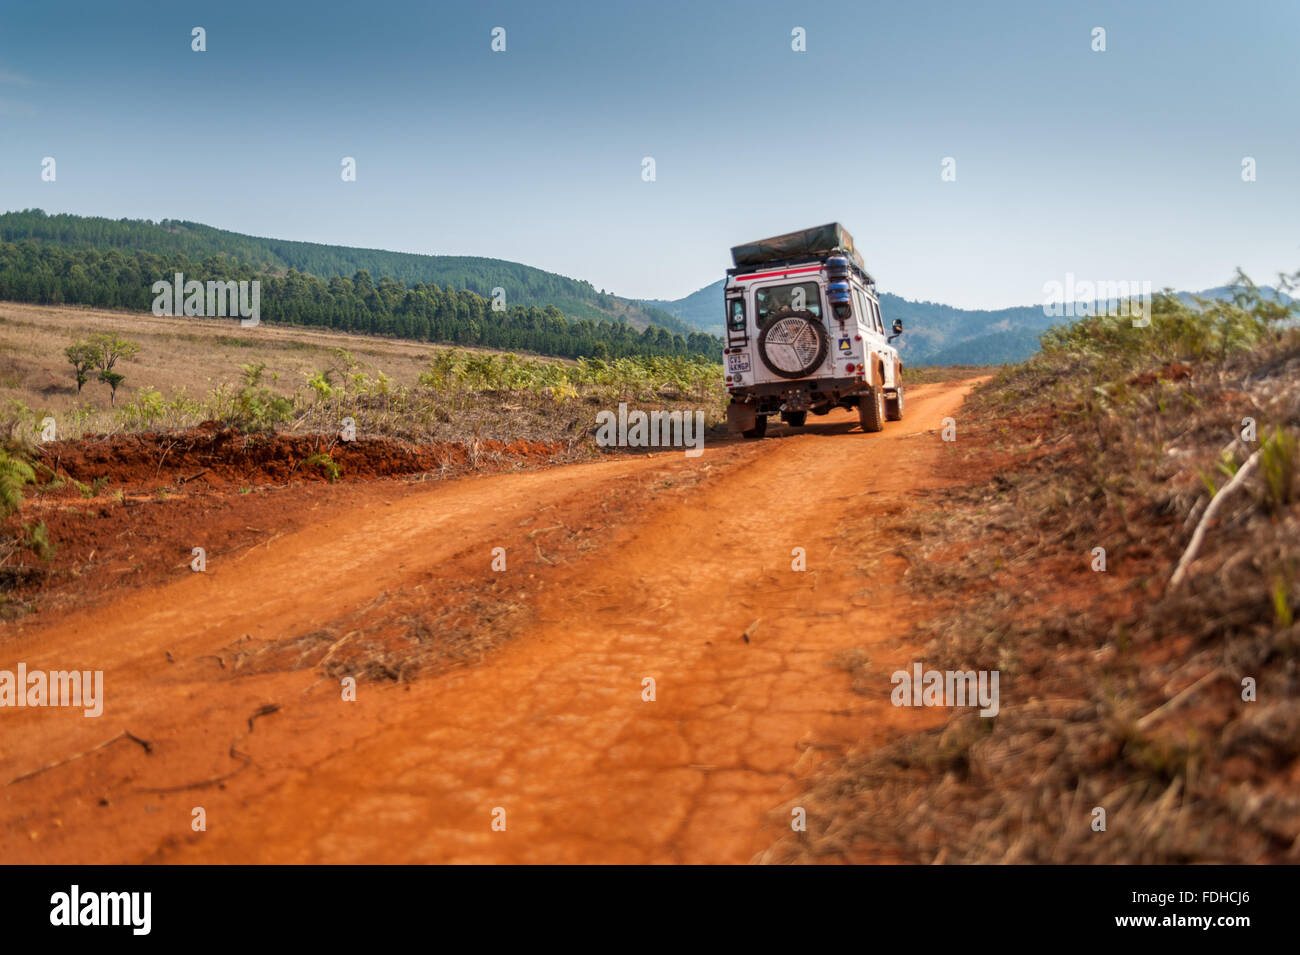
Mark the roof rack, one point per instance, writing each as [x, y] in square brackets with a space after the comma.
[779, 264]
[817, 243]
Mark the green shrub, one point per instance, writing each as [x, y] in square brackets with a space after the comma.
[37, 539]
[327, 464]
[144, 409]
[256, 407]
[15, 473]
[1279, 465]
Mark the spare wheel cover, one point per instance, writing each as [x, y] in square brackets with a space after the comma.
[793, 344]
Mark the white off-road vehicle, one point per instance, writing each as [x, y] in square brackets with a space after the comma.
[804, 333]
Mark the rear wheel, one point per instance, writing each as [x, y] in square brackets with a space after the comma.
[894, 406]
[759, 429]
[871, 410]
[794, 419]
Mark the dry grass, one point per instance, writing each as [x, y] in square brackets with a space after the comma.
[936, 374]
[194, 355]
[396, 637]
[1118, 691]
[190, 370]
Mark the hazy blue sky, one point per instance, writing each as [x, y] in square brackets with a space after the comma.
[1117, 165]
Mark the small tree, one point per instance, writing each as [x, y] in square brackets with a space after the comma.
[109, 348]
[83, 356]
[112, 379]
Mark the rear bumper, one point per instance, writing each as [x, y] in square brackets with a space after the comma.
[777, 396]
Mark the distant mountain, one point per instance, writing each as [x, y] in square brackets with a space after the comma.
[937, 334]
[1224, 292]
[523, 284]
[996, 348]
[701, 310]
[934, 334]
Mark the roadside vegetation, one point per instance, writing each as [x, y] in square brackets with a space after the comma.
[458, 394]
[16, 473]
[1128, 558]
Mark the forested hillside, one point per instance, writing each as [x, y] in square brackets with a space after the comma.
[49, 274]
[96, 261]
[523, 284]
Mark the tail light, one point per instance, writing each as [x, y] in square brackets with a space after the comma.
[849, 367]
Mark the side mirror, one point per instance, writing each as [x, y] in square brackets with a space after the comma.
[898, 326]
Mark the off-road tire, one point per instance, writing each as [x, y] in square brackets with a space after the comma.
[894, 406]
[759, 429]
[871, 410]
[799, 341]
[794, 419]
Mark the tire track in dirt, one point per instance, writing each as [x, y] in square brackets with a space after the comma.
[552, 727]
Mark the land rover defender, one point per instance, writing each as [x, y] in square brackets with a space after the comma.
[804, 334]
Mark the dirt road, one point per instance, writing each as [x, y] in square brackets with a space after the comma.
[552, 733]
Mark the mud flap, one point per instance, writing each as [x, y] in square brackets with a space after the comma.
[740, 417]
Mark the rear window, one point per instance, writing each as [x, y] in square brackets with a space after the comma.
[736, 314]
[799, 297]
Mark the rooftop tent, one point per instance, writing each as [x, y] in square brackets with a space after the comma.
[815, 242]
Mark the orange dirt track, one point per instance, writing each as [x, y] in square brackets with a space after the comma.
[694, 589]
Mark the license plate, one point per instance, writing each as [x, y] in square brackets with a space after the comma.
[737, 363]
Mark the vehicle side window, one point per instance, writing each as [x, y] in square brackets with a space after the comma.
[875, 311]
[860, 306]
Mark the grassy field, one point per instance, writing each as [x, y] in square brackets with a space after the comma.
[189, 355]
[189, 370]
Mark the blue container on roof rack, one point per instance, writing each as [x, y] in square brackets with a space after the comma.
[837, 293]
[837, 267]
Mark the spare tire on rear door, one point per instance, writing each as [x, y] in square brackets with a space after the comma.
[793, 344]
